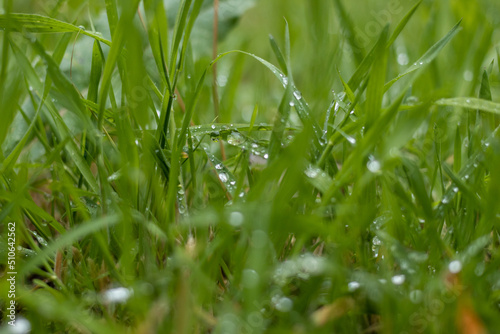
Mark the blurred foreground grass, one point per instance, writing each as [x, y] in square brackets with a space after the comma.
[156, 189]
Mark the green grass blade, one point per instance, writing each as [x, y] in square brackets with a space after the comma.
[39, 24]
[278, 54]
[95, 72]
[402, 24]
[428, 56]
[349, 31]
[68, 239]
[471, 103]
[375, 89]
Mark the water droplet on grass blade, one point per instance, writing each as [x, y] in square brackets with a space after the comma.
[373, 165]
[312, 172]
[223, 177]
[235, 138]
[297, 94]
[215, 136]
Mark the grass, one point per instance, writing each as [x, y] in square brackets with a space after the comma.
[342, 181]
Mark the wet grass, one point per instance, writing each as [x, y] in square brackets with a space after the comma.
[344, 180]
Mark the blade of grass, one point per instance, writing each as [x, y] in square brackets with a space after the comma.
[471, 103]
[39, 24]
[428, 56]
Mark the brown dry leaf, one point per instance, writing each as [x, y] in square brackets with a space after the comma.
[333, 311]
[468, 322]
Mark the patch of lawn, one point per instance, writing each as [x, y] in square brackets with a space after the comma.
[335, 171]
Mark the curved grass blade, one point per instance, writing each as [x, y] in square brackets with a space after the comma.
[471, 103]
[34, 23]
[225, 176]
[280, 123]
[60, 128]
[69, 238]
[114, 52]
[428, 57]
[364, 67]
[220, 129]
[349, 31]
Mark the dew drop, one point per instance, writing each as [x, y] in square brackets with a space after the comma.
[223, 177]
[284, 304]
[403, 59]
[398, 279]
[117, 295]
[21, 326]
[236, 219]
[312, 172]
[297, 94]
[353, 286]
[373, 166]
[455, 267]
[235, 138]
